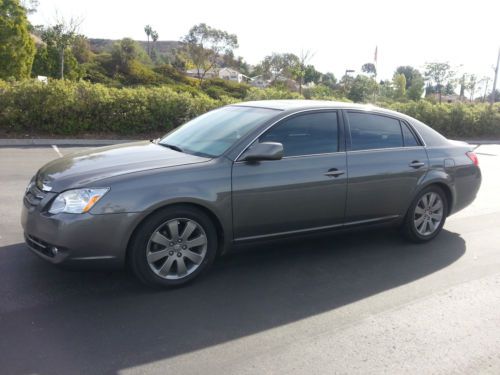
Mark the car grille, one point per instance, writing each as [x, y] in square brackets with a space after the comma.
[39, 245]
[33, 196]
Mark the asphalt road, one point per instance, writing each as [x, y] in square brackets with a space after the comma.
[366, 303]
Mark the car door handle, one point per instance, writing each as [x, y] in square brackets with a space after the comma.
[416, 164]
[334, 172]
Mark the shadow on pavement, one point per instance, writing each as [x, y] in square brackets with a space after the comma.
[56, 321]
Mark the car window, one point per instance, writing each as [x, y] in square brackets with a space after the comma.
[370, 131]
[214, 132]
[307, 134]
[408, 136]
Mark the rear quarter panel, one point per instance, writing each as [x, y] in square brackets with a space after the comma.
[451, 165]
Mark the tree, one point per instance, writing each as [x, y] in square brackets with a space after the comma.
[30, 5]
[416, 89]
[449, 89]
[17, 48]
[328, 79]
[148, 30]
[47, 60]
[362, 88]
[299, 69]
[494, 96]
[399, 84]
[370, 69]
[410, 74]
[81, 49]
[278, 65]
[312, 75]
[154, 38]
[61, 36]
[204, 45]
[440, 74]
[124, 53]
[385, 89]
[471, 85]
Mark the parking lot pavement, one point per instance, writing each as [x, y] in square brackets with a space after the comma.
[362, 303]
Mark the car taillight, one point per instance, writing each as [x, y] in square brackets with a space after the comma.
[472, 156]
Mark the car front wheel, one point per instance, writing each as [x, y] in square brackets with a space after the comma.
[426, 215]
[173, 246]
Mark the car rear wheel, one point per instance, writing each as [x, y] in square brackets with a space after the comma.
[173, 246]
[426, 215]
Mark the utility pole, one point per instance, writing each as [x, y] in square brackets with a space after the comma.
[493, 92]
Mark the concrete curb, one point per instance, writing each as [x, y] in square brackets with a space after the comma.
[60, 142]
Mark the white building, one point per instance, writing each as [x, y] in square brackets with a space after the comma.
[224, 73]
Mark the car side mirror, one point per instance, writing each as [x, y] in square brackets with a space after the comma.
[264, 151]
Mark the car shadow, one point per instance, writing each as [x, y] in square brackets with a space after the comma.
[57, 321]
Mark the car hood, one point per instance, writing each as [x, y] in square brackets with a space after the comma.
[87, 167]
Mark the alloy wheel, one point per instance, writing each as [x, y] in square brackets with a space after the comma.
[428, 214]
[176, 248]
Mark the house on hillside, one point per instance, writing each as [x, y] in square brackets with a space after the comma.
[260, 82]
[233, 75]
[453, 98]
[195, 74]
[223, 73]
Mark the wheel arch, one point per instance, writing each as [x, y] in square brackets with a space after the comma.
[445, 187]
[221, 236]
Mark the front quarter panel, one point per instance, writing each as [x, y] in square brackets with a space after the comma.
[205, 184]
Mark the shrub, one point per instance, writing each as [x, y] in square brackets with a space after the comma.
[459, 120]
[271, 93]
[72, 108]
[217, 88]
[63, 107]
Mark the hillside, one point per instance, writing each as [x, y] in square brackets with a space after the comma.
[163, 47]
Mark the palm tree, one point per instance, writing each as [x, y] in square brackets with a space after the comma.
[148, 30]
[154, 37]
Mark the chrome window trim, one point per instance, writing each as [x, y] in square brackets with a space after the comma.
[281, 119]
[299, 156]
[410, 125]
[387, 149]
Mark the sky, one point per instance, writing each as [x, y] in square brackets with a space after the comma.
[340, 35]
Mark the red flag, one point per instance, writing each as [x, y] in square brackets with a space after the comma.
[375, 55]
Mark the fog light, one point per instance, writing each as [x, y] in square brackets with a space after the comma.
[54, 250]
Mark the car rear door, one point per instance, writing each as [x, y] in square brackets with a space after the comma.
[305, 190]
[385, 160]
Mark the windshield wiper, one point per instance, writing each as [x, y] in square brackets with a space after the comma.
[173, 147]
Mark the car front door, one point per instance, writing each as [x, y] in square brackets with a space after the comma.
[386, 160]
[305, 190]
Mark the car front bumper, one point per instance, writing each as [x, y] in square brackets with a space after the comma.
[78, 239]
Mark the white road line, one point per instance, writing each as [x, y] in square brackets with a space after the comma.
[56, 149]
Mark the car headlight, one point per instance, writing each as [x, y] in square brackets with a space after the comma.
[77, 201]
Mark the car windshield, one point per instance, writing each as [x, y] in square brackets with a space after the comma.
[215, 132]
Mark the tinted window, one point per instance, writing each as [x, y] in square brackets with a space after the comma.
[408, 136]
[373, 131]
[313, 133]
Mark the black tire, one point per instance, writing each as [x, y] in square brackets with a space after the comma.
[137, 256]
[409, 228]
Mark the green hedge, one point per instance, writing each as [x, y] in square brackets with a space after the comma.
[455, 120]
[63, 107]
[72, 108]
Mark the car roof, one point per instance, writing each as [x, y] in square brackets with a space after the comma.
[296, 104]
